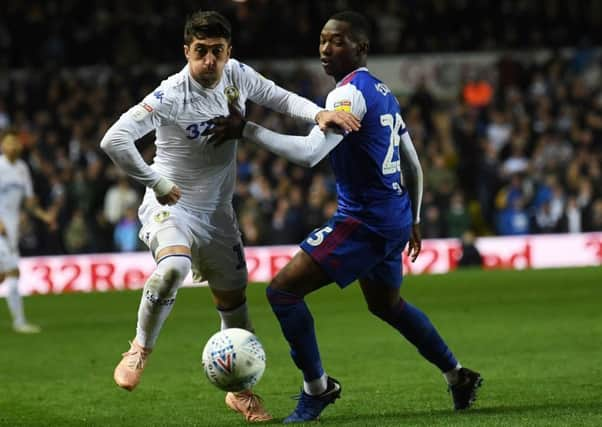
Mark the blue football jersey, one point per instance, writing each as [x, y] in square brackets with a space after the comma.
[366, 163]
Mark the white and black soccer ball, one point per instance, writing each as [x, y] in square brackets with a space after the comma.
[233, 359]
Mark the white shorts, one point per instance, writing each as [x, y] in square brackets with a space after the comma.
[213, 238]
[9, 256]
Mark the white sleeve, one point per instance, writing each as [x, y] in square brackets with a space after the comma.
[347, 98]
[265, 92]
[119, 141]
[309, 150]
[303, 150]
[411, 173]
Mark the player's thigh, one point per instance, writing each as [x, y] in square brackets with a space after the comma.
[220, 260]
[344, 249]
[301, 275]
[165, 229]
[380, 285]
[379, 298]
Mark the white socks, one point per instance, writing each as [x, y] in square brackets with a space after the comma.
[452, 376]
[317, 386]
[14, 300]
[236, 318]
[159, 296]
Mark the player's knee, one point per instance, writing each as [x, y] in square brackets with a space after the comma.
[277, 296]
[378, 310]
[167, 278]
[277, 283]
[385, 311]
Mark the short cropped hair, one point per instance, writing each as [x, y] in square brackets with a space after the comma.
[359, 25]
[204, 24]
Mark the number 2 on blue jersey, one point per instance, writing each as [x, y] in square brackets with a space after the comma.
[389, 165]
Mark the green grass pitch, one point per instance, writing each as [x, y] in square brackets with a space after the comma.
[536, 336]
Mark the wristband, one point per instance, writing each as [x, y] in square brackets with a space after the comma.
[162, 187]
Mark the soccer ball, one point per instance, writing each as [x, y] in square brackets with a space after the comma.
[233, 359]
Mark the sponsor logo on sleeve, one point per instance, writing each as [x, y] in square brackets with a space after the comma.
[344, 105]
[140, 111]
[159, 95]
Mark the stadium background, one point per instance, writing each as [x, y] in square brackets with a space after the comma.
[511, 146]
[504, 103]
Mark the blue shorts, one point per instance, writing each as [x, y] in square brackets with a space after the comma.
[347, 249]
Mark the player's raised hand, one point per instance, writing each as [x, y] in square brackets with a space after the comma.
[226, 128]
[339, 120]
[415, 244]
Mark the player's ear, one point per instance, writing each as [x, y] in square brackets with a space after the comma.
[186, 51]
[229, 51]
[362, 48]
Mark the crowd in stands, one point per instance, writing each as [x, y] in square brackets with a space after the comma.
[526, 159]
[119, 33]
[519, 153]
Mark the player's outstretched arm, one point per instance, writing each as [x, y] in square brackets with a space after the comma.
[337, 120]
[265, 92]
[305, 151]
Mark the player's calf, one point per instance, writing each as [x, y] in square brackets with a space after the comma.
[158, 297]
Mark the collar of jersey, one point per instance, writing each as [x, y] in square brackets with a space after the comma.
[343, 80]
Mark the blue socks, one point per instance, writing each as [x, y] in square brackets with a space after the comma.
[416, 327]
[298, 328]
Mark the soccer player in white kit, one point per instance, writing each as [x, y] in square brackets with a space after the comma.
[16, 189]
[187, 217]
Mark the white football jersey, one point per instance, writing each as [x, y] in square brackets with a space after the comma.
[15, 186]
[179, 109]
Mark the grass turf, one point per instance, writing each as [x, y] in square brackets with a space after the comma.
[536, 336]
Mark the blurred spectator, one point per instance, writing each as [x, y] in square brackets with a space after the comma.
[120, 197]
[513, 219]
[572, 220]
[126, 231]
[457, 218]
[431, 223]
[498, 130]
[77, 237]
[4, 117]
[252, 229]
[102, 232]
[471, 257]
[594, 219]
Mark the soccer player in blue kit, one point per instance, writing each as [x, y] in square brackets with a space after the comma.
[379, 188]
